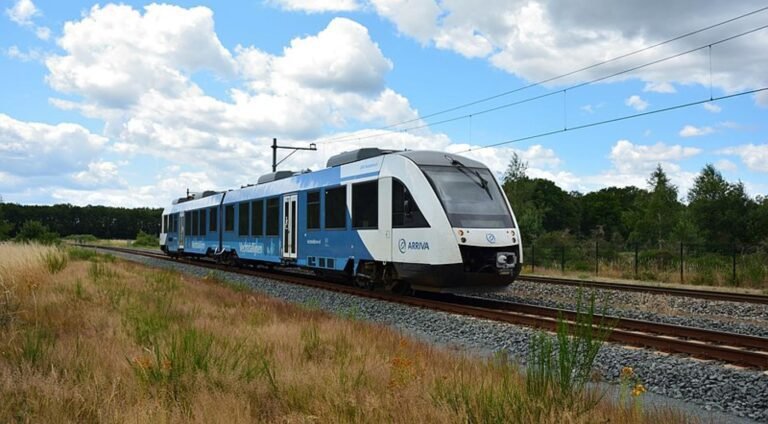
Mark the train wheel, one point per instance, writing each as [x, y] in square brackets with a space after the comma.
[393, 284]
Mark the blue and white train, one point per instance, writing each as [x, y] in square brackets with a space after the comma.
[398, 219]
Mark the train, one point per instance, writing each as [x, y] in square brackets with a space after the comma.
[399, 220]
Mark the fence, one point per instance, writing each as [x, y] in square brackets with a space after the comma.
[680, 262]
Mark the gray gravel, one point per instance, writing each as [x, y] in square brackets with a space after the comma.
[733, 395]
[735, 317]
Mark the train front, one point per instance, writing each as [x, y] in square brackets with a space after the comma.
[482, 223]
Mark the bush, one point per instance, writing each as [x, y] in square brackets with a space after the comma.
[35, 231]
[146, 240]
[82, 238]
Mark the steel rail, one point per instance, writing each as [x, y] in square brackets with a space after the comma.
[670, 291]
[738, 349]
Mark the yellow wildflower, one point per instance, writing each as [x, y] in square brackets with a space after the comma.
[627, 372]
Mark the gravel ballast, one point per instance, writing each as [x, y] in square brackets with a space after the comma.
[677, 381]
[733, 317]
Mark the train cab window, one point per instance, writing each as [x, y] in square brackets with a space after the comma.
[164, 228]
[202, 221]
[213, 216]
[365, 205]
[257, 218]
[273, 216]
[245, 213]
[229, 218]
[336, 207]
[313, 210]
[405, 211]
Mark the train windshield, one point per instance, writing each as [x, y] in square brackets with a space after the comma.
[470, 196]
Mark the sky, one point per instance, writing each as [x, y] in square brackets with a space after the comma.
[131, 104]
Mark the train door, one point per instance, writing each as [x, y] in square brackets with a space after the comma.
[182, 220]
[385, 216]
[290, 226]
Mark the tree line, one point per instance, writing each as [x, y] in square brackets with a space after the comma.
[64, 220]
[716, 212]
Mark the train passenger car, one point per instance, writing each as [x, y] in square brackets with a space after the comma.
[412, 219]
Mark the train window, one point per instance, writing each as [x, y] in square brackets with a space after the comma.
[245, 213]
[175, 223]
[273, 216]
[194, 224]
[229, 218]
[313, 210]
[405, 211]
[257, 218]
[213, 216]
[365, 205]
[187, 222]
[336, 207]
[164, 224]
[202, 222]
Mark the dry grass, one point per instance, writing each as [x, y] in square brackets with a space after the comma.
[104, 340]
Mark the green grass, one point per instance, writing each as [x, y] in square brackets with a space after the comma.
[55, 260]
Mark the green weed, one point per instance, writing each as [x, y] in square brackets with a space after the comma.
[311, 346]
[55, 261]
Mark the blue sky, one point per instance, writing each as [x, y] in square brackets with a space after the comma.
[130, 104]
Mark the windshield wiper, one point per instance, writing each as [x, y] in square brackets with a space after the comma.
[483, 183]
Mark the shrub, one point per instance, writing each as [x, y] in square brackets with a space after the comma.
[35, 231]
[146, 240]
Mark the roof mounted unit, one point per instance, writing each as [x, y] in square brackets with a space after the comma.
[274, 176]
[356, 155]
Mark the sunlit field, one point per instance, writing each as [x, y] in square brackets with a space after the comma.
[88, 338]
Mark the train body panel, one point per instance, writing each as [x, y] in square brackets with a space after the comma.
[395, 215]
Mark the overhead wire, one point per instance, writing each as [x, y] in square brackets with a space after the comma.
[621, 118]
[544, 81]
[564, 90]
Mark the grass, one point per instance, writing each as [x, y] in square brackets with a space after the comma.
[106, 340]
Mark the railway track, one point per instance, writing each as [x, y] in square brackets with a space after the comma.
[749, 351]
[669, 291]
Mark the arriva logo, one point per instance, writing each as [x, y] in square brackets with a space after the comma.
[491, 238]
[402, 245]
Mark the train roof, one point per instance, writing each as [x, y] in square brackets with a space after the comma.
[286, 181]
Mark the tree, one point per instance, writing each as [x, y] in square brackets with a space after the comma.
[719, 209]
[659, 211]
[612, 209]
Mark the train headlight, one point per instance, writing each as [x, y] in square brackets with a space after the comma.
[501, 259]
[461, 232]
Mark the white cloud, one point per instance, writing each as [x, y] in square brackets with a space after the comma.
[100, 174]
[712, 107]
[726, 165]
[629, 158]
[115, 54]
[636, 103]
[416, 18]
[15, 53]
[38, 149]
[314, 6]
[692, 131]
[659, 87]
[342, 57]
[22, 12]
[539, 39]
[754, 156]
[43, 33]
